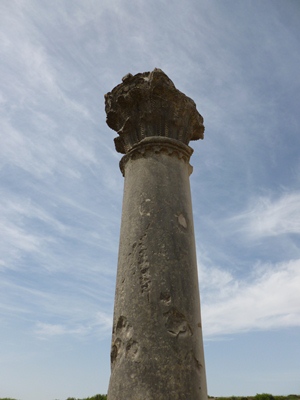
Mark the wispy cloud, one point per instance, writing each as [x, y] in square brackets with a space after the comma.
[49, 235]
[15, 238]
[100, 324]
[57, 307]
[267, 217]
[268, 299]
[29, 64]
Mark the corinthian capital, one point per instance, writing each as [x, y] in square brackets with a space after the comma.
[147, 105]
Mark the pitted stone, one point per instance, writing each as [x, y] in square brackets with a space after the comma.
[148, 104]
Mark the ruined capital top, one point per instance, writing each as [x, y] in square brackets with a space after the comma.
[148, 104]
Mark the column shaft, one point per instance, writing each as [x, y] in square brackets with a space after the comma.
[157, 350]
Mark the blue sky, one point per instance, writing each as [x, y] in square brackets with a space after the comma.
[61, 188]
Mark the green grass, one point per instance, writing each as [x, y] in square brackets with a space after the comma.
[261, 396]
[96, 397]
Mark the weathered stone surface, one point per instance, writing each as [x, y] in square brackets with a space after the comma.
[148, 104]
[157, 347]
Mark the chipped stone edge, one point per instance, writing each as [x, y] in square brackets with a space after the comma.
[156, 144]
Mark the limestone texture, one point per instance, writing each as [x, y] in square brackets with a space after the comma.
[147, 105]
[157, 346]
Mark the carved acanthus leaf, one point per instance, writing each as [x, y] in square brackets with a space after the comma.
[149, 105]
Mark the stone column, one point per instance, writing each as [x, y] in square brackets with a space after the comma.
[157, 346]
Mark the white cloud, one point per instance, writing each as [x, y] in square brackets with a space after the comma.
[30, 66]
[100, 322]
[48, 235]
[17, 237]
[80, 150]
[269, 299]
[268, 217]
[43, 329]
